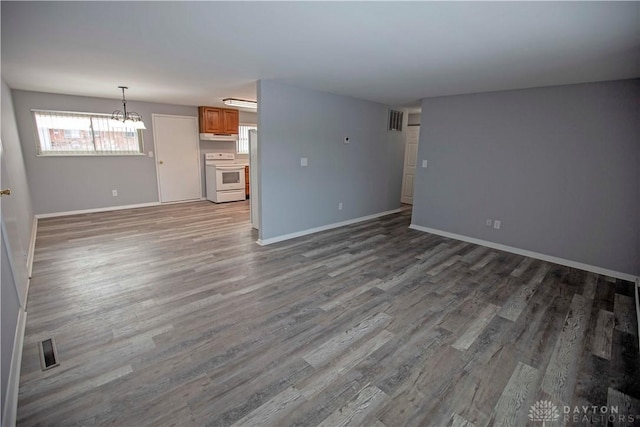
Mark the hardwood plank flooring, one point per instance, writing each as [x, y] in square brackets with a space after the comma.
[173, 315]
[515, 396]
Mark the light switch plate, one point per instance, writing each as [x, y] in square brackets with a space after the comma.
[304, 161]
[424, 163]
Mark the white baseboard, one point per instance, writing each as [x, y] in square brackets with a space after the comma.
[105, 209]
[536, 255]
[13, 382]
[32, 245]
[30, 257]
[264, 242]
[177, 202]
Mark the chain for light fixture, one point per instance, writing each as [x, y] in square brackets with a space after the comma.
[129, 119]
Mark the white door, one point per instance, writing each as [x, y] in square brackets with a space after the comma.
[254, 199]
[11, 236]
[410, 160]
[177, 157]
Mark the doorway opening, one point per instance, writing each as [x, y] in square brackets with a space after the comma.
[410, 158]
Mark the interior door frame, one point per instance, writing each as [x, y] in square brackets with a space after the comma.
[155, 156]
[254, 180]
[16, 254]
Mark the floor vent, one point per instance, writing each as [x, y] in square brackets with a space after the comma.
[48, 354]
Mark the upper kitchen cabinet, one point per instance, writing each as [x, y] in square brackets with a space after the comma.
[215, 120]
[210, 120]
[230, 121]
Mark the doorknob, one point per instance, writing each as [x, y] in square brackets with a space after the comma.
[5, 192]
[161, 162]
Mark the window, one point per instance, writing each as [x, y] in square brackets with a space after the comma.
[64, 133]
[243, 138]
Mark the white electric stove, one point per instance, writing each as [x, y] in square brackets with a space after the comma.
[224, 178]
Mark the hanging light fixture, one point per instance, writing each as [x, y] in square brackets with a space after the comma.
[233, 102]
[124, 118]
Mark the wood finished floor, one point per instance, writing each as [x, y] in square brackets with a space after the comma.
[172, 315]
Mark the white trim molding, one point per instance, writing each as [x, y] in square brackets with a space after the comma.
[13, 382]
[176, 202]
[30, 257]
[264, 242]
[105, 209]
[32, 245]
[536, 255]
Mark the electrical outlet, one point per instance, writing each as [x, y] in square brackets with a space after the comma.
[497, 224]
[304, 161]
[114, 193]
[340, 206]
[489, 222]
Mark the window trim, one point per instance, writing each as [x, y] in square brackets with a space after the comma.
[84, 154]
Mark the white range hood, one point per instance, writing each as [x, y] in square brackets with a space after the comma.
[216, 137]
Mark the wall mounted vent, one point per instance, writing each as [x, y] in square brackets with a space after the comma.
[395, 120]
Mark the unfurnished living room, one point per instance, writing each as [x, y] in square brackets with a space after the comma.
[320, 213]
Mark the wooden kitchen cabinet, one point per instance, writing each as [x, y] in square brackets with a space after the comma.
[246, 180]
[210, 120]
[221, 121]
[230, 119]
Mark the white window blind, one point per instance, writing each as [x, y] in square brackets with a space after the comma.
[65, 133]
[243, 138]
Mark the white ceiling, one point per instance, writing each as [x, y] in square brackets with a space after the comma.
[196, 53]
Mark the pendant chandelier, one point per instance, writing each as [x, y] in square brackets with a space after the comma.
[124, 118]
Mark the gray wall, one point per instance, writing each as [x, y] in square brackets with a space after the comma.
[60, 184]
[366, 174]
[559, 166]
